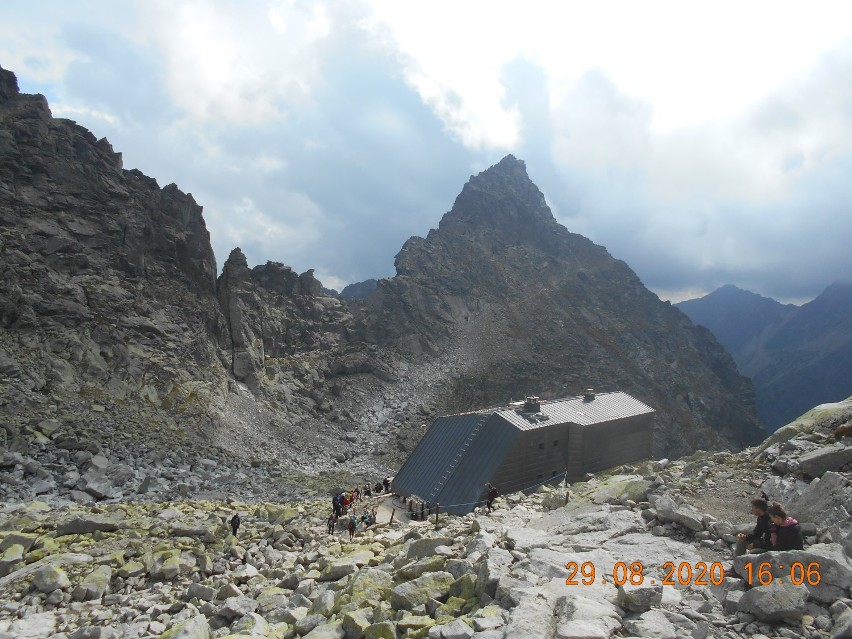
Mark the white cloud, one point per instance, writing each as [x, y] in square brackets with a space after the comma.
[453, 54]
[233, 62]
[692, 64]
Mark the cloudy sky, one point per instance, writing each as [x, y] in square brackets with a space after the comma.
[702, 144]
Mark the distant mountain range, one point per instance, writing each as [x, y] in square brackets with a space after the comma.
[797, 356]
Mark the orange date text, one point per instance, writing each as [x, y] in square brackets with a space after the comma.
[673, 574]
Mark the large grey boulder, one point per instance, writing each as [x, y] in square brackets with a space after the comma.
[827, 502]
[731, 601]
[653, 623]
[456, 629]
[94, 585]
[535, 616]
[98, 483]
[425, 547]
[25, 540]
[587, 612]
[192, 529]
[33, 626]
[775, 603]
[236, 607]
[201, 592]
[323, 604]
[495, 565]
[835, 457]
[639, 598]
[411, 594]
[86, 524]
[355, 623]
[346, 565]
[10, 559]
[307, 623]
[251, 625]
[193, 628]
[49, 578]
[369, 583]
[332, 630]
[842, 628]
[668, 510]
[524, 539]
[830, 569]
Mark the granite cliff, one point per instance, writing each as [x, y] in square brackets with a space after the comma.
[116, 332]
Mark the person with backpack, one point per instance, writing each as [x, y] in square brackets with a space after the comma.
[351, 526]
[332, 522]
[235, 524]
[491, 494]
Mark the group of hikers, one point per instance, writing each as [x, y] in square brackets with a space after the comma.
[343, 501]
[774, 530]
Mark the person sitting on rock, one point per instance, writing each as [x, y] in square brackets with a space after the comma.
[758, 540]
[785, 533]
[235, 524]
[378, 487]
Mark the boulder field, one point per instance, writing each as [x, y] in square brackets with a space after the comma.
[643, 550]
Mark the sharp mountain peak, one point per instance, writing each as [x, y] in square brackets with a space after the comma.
[502, 198]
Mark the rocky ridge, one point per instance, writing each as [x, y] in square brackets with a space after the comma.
[143, 569]
[113, 323]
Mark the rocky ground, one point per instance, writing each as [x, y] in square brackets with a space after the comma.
[167, 566]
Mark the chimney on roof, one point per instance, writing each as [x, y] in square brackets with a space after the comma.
[589, 395]
[532, 404]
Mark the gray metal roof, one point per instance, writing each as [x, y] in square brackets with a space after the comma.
[577, 410]
[455, 458]
[459, 453]
[466, 485]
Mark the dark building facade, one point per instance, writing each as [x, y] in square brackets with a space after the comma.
[524, 445]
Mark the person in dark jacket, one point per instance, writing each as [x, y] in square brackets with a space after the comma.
[758, 540]
[785, 534]
[235, 524]
[491, 494]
